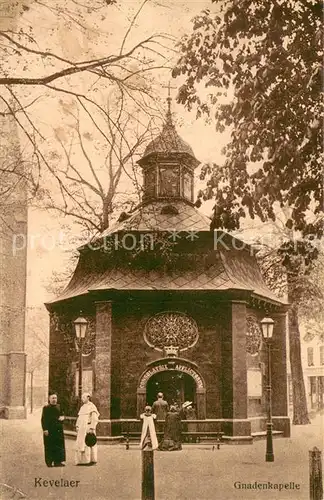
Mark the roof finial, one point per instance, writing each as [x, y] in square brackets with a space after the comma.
[169, 100]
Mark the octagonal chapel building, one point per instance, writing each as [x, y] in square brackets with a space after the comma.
[173, 307]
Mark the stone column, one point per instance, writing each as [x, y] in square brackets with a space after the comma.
[141, 399]
[281, 420]
[13, 262]
[16, 382]
[201, 403]
[234, 373]
[103, 364]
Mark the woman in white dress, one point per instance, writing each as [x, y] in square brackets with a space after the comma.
[87, 421]
[148, 437]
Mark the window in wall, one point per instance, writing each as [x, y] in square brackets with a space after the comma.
[87, 381]
[322, 355]
[312, 385]
[169, 181]
[187, 185]
[312, 391]
[310, 356]
[150, 181]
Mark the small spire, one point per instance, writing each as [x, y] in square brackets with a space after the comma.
[169, 100]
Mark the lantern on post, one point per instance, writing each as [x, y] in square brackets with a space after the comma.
[80, 325]
[267, 332]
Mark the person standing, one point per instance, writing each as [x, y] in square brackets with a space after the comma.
[172, 431]
[148, 436]
[53, 435]
[86, 423]
[184, 416]
[160, 407]
[191, 427]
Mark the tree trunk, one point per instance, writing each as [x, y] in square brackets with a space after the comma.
[106, 210]
[300, 414]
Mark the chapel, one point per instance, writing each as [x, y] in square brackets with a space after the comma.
[171, 307]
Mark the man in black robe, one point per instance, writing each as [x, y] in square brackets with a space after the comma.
[52, 425]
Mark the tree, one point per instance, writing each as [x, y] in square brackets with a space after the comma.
[22, 43]
[257, 67]
[94, 163]
[311, 308]
[288, 268]
[36, 70]
[269, 54]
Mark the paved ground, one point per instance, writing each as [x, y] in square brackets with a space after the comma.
[195, 473]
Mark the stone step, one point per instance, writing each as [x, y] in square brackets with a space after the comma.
[263, 434]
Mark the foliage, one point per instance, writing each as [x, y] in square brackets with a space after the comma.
[261, 66]
[257, 65]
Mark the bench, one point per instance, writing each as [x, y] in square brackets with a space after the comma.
[195, 437]
[188, 437]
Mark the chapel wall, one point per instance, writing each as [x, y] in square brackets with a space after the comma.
[134, 353]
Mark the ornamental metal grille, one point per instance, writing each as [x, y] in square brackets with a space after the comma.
[253, 336]
[168, 329]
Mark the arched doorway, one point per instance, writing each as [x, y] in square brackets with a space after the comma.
[177, 378]
[176, 386]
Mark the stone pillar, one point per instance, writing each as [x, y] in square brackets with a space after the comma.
[234, 373]
[16, 383]
[141, 400]
[281, 420]
[13, 262]
[103, 363]
[201, 403]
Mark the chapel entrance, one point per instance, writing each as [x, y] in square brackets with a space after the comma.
[175, 385]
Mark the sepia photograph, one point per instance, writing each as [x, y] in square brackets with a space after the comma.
[162, 249]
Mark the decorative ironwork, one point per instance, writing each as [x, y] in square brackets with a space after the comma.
[171, 331]
[253, 336]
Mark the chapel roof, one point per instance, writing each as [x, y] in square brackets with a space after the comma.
[223, 269]
[163, 215]
[168, 141]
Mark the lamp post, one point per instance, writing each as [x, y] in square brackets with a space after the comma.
[267, 331]
[80, 325]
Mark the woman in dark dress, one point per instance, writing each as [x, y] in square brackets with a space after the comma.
[172, 431]
[52, 425]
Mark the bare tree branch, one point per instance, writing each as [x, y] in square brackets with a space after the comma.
[77, 67]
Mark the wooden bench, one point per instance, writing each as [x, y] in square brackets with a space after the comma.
[188, 437]
[195, 437]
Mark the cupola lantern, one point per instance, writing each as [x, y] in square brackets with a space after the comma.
[168, 165]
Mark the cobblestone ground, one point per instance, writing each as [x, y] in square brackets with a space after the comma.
[195, 473]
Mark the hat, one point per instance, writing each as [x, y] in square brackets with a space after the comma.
[90, 439]
[186, 404]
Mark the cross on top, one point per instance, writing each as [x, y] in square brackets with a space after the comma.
[169, 100]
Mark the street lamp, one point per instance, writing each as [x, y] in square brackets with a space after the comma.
[267, 331]
[80, 325]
